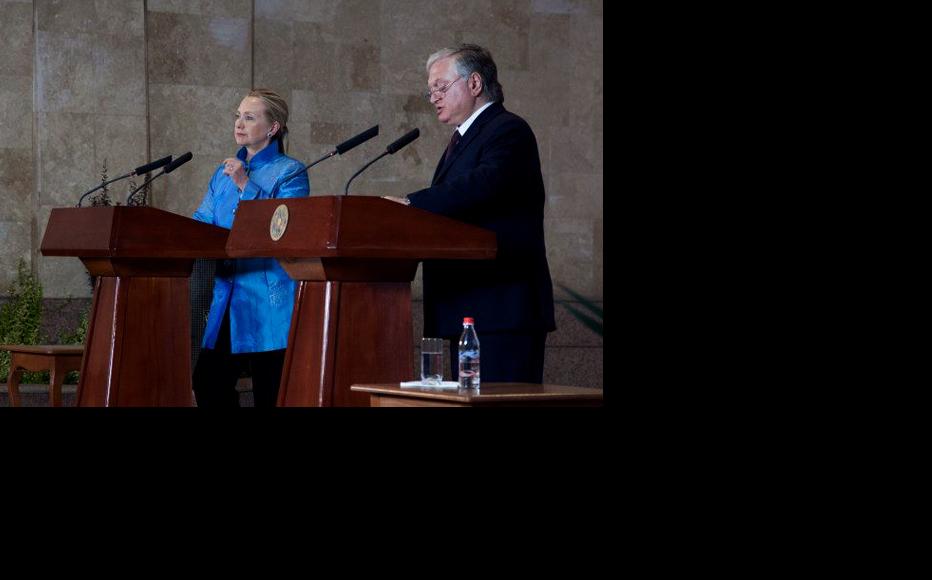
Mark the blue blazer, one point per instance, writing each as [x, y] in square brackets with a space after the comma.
[259, 293]
[493, 180]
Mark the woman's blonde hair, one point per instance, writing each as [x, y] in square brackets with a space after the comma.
[276, 109]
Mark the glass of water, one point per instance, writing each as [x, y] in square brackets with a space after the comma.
[432, 360]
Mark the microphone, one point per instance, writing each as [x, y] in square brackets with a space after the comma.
[407, 138]
[357, 140]
[340, 149]
[154, 165]
[171, 167]
[390, 150]
[178, 162]
[138, 171]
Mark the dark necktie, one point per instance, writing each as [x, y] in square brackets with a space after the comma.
[453, 141]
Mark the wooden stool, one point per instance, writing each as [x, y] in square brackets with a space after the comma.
[58, 360]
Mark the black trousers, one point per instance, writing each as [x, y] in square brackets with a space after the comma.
[506, 357]
[218, 370]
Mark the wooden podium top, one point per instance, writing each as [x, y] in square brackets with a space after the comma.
[130, 232]
[504, 394]
[353, 227]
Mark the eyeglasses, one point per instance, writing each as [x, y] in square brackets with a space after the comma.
[429, 95]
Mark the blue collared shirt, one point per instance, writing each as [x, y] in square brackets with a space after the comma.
[259, 293]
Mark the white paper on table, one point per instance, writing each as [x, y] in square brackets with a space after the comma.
[423, 385]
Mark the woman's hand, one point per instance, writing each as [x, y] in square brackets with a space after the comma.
[234, 168]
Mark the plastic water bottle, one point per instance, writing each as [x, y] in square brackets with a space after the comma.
[469, 356]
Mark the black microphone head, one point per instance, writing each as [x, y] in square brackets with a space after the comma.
[357, 140]
[407, 138]
[179, 162]
[154, 165]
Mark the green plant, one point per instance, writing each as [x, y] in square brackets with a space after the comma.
[79, 334]
[141, 197]
[75, 337]
[593, 319]
[103, 197]
[20, 318]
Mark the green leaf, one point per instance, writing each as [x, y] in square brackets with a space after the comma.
[589, 321]
[592, 320]
[585, 302]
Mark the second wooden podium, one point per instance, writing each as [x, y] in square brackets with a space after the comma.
[138, 347]
[354, 259]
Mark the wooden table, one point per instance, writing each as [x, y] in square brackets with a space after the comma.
[57, 359]
[490, 394]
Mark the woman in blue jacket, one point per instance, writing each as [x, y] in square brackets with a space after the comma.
[250, 314]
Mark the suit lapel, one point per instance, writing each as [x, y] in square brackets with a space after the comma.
[487, 115]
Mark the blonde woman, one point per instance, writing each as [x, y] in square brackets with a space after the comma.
[250, 313]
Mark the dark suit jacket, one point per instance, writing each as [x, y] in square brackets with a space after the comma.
[493, 180]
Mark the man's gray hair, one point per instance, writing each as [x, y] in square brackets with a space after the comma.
[472, 58]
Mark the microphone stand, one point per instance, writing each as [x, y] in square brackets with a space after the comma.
[346, 190]
[280, 182]
[104, 184]
[393, 148]
[341, 149]
[144, 194]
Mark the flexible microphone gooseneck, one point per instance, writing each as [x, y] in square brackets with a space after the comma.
[138, 171]
[390, 150]
[340, 149]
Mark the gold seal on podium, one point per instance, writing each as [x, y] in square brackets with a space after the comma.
[279, 222]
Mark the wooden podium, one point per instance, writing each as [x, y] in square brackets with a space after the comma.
[354, 259]
[138, 347]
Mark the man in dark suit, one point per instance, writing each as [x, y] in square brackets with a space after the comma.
[489, 176]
